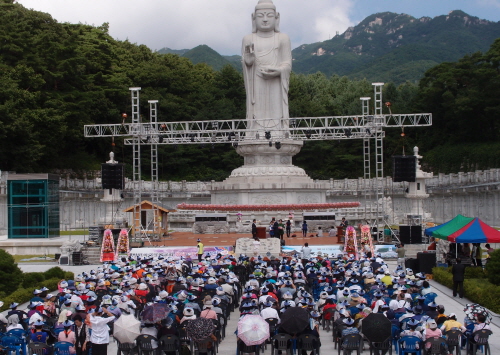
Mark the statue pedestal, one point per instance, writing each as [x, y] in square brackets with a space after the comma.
[268, 177]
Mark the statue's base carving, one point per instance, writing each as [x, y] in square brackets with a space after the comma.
[268, 177]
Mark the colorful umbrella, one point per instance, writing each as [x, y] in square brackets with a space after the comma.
[155, 313]
[444, 230]
[200, 329]
[475, 231]
[253, 330]
[473, 309]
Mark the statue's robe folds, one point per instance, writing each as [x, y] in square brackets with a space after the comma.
[267, 98]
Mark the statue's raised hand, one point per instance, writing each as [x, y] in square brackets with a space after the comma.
[249, 55]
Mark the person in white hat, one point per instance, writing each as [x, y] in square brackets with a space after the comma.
[188, 314]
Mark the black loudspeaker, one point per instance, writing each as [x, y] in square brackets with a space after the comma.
[412, 264]
[113, 176]
[404, 168]
[410, 234]
[426, 261]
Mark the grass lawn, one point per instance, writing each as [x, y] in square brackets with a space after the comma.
[18, 258]
[75, 232]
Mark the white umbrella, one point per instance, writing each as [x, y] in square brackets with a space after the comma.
[126, 328]
[253, 330]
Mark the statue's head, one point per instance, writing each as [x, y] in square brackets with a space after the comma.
[265, 18]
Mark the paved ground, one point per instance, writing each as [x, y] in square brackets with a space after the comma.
[228, 346]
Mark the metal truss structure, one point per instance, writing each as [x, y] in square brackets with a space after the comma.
[368, 127]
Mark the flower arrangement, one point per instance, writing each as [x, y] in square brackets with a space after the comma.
[108, 246]
[123, 243]
[300, 207]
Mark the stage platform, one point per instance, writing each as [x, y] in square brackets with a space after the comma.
[187, 239]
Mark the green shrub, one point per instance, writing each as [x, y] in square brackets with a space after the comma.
[475, 273]
[443, 276]
[10, 274]
[20, 296]
[493, 267]
[478, 290]
[68, 275]
[54, 273]
[31, 279]
[23, 295]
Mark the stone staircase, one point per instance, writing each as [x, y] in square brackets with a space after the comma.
[93, 254]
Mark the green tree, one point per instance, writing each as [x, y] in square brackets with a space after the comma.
[493, 267]
[10, 274]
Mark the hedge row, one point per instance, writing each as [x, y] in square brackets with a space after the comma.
[477, 289]
[36, 280]
[32, 279]
[22, 295]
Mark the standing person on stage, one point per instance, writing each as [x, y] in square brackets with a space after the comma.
[304, 229]
[254, 229]
[100, 330]
[200, 249]
[288, 226]
[281, 229]
[276, 229]
[271, 228]
[458, 271]
[344, 223]
[401, 251]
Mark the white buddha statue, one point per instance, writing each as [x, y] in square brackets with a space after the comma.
[267, 63]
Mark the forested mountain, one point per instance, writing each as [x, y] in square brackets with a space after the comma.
[384, 47]
[57, 77]
[397, 47]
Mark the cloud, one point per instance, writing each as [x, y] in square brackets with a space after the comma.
[489, 3]
[179, 24]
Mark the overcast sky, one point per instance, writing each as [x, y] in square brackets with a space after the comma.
[221, 24]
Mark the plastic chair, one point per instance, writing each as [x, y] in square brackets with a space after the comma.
[145, 344]
[436, 345]
[38, 349]
[184, 337]
[125, 348]
[247, 349]
[395, 331]
[273, 326]
[308, 342]
[381, 347]
[409, 345]
[223, 322]
[170, 344]
[62, 348]
[337, 333]
[22, 335]
[203, 347]
[281, 342]
[12, 343]
[454, 339]
[349, 343]
[480, 338]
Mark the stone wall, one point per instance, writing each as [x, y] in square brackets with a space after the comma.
[472, 194]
